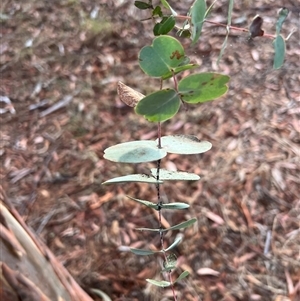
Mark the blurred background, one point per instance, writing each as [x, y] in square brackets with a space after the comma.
[60, 64]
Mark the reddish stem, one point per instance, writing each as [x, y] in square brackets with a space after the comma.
[225, 25]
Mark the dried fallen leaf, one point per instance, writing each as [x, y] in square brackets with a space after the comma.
[242, 259]
[128, 95]
[214, 217]
[255, 27]
[207, 272]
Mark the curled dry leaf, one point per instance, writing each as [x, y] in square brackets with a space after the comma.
[128, 95]
[255, 27]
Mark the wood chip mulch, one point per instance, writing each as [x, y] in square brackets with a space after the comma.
[60, 64]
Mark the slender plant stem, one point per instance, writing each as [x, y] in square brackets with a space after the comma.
[230, 27]
[159, 134]
[159, 203]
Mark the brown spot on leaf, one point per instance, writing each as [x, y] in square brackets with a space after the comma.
[176, 54]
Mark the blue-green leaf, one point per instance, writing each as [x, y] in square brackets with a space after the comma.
[182, 276]
[279, 47]
[134, 152]
[177, 241]
[198, 12]
[141, 178]
[170, 175]
[146, 203]
[159, 283]
[175, 206]
[184, 144]
[143, 252]
[183, 225]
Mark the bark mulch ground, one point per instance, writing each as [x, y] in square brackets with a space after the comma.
[60, 63]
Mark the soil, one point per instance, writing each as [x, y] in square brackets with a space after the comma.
[60, 64]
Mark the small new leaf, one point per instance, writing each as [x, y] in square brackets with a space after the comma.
[157, 11]
[177, 241]
[165, 26]
[282, 15]
[182, 276]
[170, 263]
[146, 203]
[142, 5]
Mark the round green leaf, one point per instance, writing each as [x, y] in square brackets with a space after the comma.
[161, 57]
[184, 144]
[159, 106]
[203, 87]
[134, 152]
